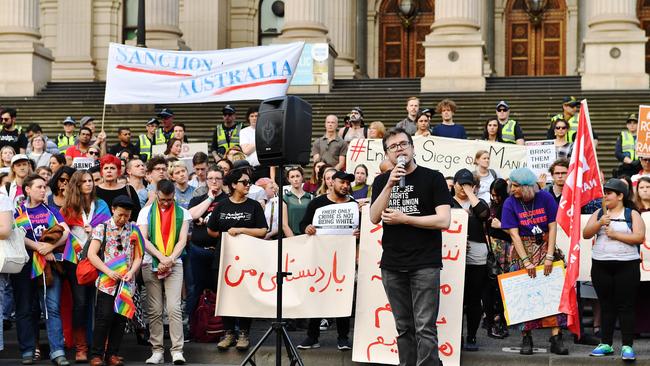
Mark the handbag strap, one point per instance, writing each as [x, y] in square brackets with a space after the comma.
[84, 253]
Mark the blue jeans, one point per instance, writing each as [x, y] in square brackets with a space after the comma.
[7, 298]
[414, 297]
[26, 294]
[201, 275]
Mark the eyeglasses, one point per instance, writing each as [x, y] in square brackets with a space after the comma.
[502, 110]
[401, 146]
[645, 159]
[245, 182]
[560, 128]
[93, 152]
[213, 179]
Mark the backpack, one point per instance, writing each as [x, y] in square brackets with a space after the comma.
[627, 214]
[205, 327]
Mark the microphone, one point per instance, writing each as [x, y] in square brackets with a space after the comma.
[401, 162]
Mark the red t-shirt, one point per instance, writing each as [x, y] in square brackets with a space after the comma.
[74, 152]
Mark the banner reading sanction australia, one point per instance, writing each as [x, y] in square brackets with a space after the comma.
[144, 76]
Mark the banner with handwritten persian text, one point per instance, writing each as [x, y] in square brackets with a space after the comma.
[374, 328]
[443, 154]
[321, 284]
[563, 242]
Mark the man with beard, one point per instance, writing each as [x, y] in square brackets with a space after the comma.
[10, 134]
[341, 184]
[80, 149]
[414, 205]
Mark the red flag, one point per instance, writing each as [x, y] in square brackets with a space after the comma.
[582, 186]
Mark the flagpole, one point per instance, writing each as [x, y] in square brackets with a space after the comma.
[103, 116]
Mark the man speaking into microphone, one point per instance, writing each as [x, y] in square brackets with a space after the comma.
[414, 204]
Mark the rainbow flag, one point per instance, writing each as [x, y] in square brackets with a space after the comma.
[22, 218]
[102, 213]
[117, 264]
[137, 240]
[124, 300]
[51, 220]
[73, 249]
[38, 264]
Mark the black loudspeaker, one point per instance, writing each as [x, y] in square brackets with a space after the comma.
[283, 131]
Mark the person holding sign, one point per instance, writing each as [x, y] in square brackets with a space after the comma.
[339, 194]
[615, 272]
[414, 205]
[529, 217]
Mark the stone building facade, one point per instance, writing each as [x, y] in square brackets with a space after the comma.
[449, 44]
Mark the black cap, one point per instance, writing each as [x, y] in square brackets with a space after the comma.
[427, 110]
[358, 109]
[241, 164]
[152, 121]
[632, 117]
[464, 176]
[616, 185]
[343, 176]
[228, 109]
[123, 201]
[166, 113]
[69, 120]
[571, 100]
[503, 104]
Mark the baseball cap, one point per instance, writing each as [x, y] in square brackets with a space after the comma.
[18, 157]
[69, 120]
[166, 113]
[123, 201]
[228, 109]
[86, 119]
[343, 176]
[464, 176]
[616, 185]
[152, 121]
[571, 100]
[503, 104]
[631, 117]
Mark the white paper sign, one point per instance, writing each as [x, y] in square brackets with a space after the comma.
[526, 298]
[337, 219]
[136, 75]
[540, 155]
[374, 327]
[83, 163]
[321, 283]
[187, 150]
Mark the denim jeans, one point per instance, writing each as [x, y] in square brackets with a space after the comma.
[109, 327]
[7, 298]
[202, 276]
[414, 298]
[26, 295]
[3, 283]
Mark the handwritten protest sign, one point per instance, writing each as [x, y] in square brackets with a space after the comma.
[83, 163]
[440, 153]
[526, 298]
[321, 283]
[338, 219]
[374, 328]
[643, 132]
[540, 155]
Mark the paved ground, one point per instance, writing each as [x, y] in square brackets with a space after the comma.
[492, 352]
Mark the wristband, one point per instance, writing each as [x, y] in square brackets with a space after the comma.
[550, 257]
[524, 259]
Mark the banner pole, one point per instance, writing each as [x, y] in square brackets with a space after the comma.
[103, 116]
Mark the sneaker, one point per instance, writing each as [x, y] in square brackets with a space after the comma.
[177, 358]
[243, 341]
[526, 345]
[28, 360]
[324, 325]
[495, 331]
[627, 354]
[470, 344]
[308, 343]
[227, 341]
[61, 361]
[156, 358]
[602, 350]
[343, 344]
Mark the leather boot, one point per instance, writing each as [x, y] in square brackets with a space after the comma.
[81, 346]
[526, 345]
[557, 345]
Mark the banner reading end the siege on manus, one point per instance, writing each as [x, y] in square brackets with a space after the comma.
[137, 75]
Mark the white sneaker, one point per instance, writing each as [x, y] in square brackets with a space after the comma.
[156, 358]
[177, 358]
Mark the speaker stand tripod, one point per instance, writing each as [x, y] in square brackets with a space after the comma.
[278, 326]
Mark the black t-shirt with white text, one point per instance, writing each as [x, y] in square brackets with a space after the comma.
[248, 214]
[15, 139]
[407, 247]
[200, 235]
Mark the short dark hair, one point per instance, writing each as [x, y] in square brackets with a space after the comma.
[251, 110]
[119, 130]
[12, 112]
[60, 158]
[155, 160]
[199, 158]
[54, 187]
[34, 127]
[30, 179]
[233, 176]
[84, 128]
[295, 168]
[559, 162]
[181, 125]
[394, 132]
[215, 168]
[166, 186]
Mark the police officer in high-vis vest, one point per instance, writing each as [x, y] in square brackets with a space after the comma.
[147, 140]
[67, 138]
[625, 149]
[570, 114]
[226, 135]
[510, 130]
[166, 128]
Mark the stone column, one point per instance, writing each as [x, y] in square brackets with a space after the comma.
[25, 64]
[106, 28]
[614, 47]
[340, 20]
[162, 20]
[203, 23]
[48, 23]
[454, 48]
[244, 26]
[73, 56]
[305, 21]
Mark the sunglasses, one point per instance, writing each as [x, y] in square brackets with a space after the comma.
[245, 182]
[93, 152]
[63, 180]
[6, 119]
[502, 110]
[560, 128]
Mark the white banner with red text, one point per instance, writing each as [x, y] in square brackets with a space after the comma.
[440, 153]
[321, 283]
[136, 75]
[375, 337]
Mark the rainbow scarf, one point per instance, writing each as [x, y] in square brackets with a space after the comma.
[155, 230]
[74, 246]
[137, 240]
[117, 264]
[124, 304]
[22, 221]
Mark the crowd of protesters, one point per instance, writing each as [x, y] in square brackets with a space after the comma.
[74, 188]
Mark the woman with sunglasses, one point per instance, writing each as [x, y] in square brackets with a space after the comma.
[58, 185]
[111, 167]
[237, 215]
[37, 152]
[94, 152]
[562, 145]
